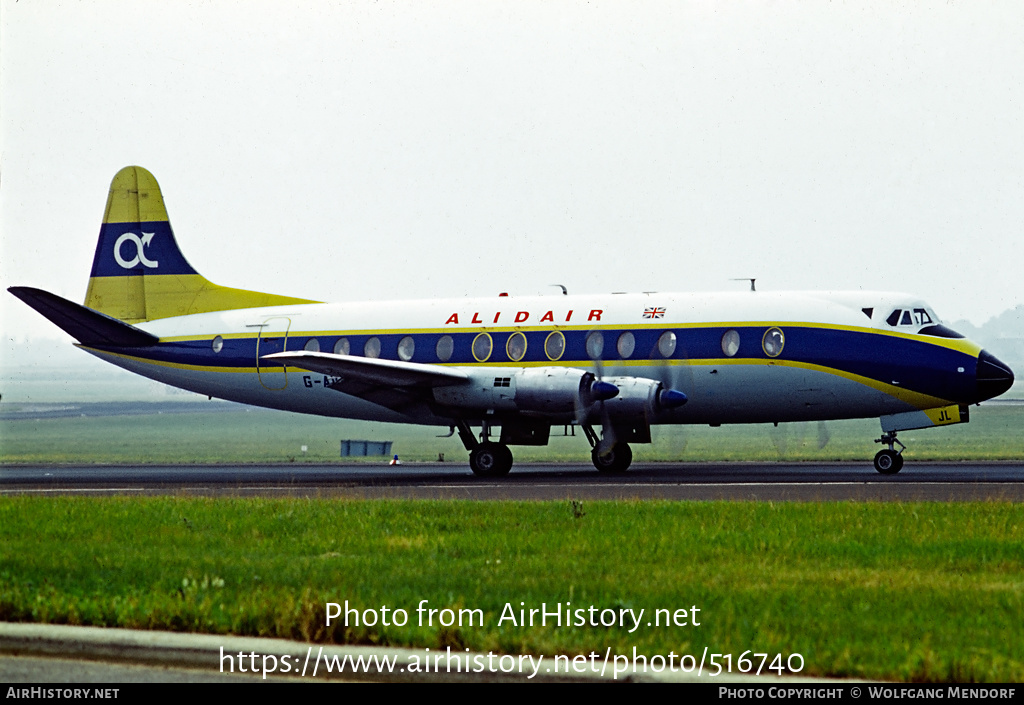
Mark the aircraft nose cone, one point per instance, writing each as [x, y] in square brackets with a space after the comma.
[993, 376]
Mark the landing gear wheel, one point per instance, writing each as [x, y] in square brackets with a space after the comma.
[490, 460]
[614, 459]
[888, 462]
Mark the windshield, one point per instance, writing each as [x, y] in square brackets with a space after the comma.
[920, 319]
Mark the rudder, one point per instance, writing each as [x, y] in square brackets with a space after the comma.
[139, 273]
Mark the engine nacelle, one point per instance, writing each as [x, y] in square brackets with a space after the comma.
[640, 398]
[560, 392]
[637, 398]
[557, 389]
[554, 391]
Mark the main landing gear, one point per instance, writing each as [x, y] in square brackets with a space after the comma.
[608, 456]
[889, 461]
[614, 459]
[490, 459]
[486, 458]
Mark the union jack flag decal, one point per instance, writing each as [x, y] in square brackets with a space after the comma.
[656, 312]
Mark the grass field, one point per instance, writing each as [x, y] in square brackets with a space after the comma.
[927, 592]
[237, 434]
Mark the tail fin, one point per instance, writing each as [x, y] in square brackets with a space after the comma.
[139, 274]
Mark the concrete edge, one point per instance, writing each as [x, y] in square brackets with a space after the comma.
[204, 652]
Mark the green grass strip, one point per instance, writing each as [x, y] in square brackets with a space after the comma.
[925, 592]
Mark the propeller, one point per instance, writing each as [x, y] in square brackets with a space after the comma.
[782, 435]
[670, 394]
[598, 392]
[824, 435]
[674, 374]
[676, 377]
[779, 435]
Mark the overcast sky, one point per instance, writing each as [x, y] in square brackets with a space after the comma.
[356, 150]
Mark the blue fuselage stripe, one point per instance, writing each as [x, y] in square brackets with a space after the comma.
[911, 363]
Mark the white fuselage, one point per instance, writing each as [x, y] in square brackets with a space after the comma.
[739, 357]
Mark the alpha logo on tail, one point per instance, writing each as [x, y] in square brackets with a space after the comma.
[140, 244]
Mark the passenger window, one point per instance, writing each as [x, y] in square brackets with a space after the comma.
[667, 344]
[445, 348]
[515, 347]
[773, 342]
[730, 343]
[482, 346]
[595, 345]
[312, 345]
[372, 348]
[554, 346]
[341, 347]
[625, 345]
[406, 348]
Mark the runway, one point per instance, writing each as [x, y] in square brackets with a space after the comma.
[918, 481]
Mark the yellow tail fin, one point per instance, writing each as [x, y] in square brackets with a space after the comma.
[139, 273]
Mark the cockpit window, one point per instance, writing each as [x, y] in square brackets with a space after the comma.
[911, 317]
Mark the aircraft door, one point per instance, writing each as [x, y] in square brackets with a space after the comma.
[273, 338]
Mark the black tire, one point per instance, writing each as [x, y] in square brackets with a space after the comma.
[490, 460]
[888, 462]
[613, 460]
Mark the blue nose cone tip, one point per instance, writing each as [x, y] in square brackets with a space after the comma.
[603, 390]
[671, 398]
[993, 376]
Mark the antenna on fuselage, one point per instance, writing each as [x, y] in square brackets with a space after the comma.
[746, 279]
[565, 292]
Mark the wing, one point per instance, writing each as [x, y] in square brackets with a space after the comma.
[393, 384]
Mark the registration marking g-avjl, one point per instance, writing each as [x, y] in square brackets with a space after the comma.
[504, 370]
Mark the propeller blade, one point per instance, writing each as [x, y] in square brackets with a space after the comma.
[607, 431]
[592, 390]
[823, 435]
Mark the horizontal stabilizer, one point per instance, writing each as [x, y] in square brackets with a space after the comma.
[88, 327]
[389, 373]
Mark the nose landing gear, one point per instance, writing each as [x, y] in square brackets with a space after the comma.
[889, 461]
